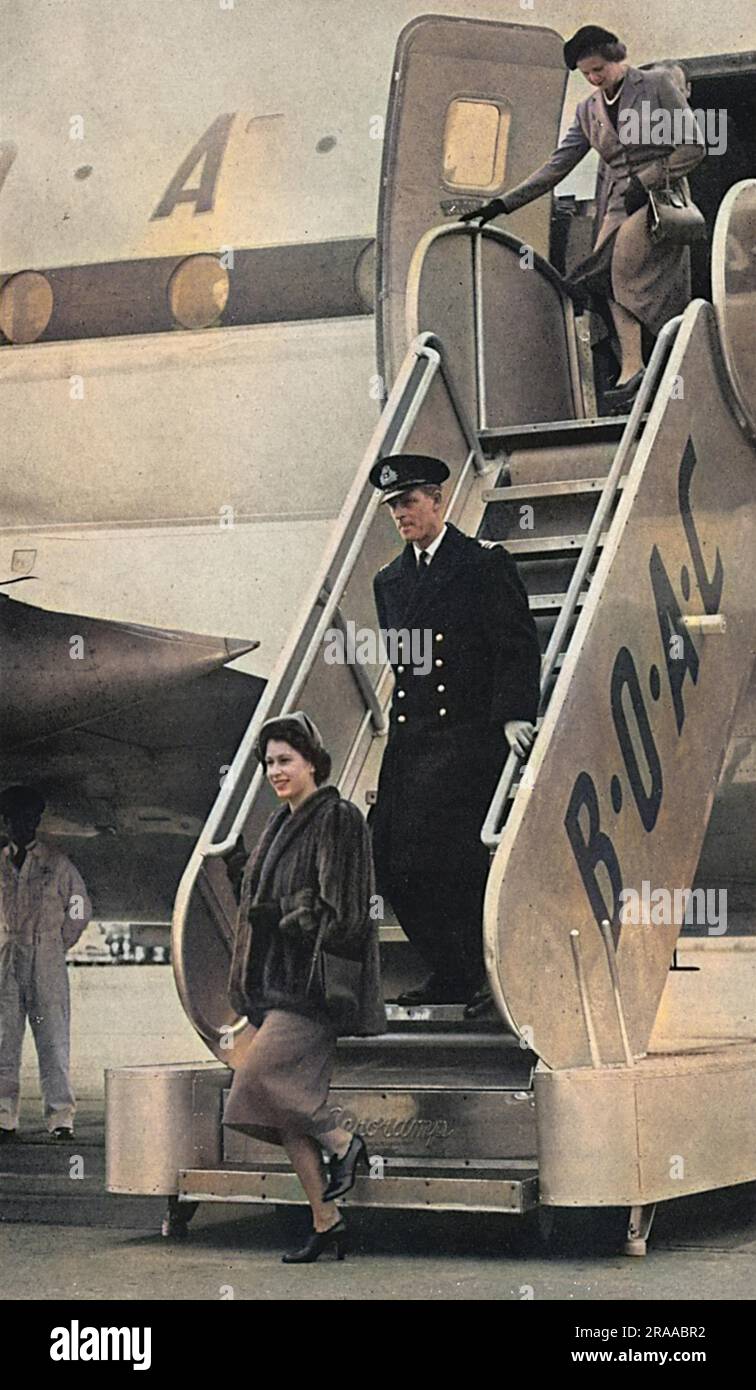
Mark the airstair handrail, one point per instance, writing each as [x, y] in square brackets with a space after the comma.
[539, 263]
[424, 360]
[423, 363]
[490, 836]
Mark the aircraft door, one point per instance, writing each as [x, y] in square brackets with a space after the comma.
[475, 107]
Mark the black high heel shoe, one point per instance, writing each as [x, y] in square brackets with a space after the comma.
[343, 1170]
[620, 398]
[332, 1239]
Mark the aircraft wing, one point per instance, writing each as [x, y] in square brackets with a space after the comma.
[128, 750]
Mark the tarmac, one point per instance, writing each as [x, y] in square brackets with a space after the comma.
[400, 1258]
[58, 1241]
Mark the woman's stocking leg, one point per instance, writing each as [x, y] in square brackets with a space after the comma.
[336, 1141]
[307, 1163]
[629, 333]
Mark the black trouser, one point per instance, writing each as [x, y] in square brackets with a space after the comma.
[434, 792]
[444, 922]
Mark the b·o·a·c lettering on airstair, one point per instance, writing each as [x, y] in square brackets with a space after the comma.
[630, 715]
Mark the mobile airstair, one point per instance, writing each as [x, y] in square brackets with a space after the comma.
[610, 1079]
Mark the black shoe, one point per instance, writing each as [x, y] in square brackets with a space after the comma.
[434, 991]
[620, 398]
[343, 1170]
[482, 1007]
[7, 1136]
[62, 1132]
[332, 1239]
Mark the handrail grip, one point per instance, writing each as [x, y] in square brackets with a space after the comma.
[490, 836]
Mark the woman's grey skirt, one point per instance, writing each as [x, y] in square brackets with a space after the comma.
[282, 1084]
[652, 281]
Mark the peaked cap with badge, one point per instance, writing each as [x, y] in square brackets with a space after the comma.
[401, 472]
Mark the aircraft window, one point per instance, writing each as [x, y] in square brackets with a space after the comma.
[475, 145]
[26, 304]
[198, 291]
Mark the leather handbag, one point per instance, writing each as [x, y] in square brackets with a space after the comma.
[339, 981]
[673, 216]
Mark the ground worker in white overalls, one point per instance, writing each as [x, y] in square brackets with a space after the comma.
[44, 908]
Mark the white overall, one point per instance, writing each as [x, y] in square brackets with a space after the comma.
[44, 908]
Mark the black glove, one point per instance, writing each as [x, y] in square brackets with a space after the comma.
[301, 913]
[636, 196]
[486, 213]
[235, 861]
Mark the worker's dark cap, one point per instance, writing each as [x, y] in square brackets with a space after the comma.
[15, 799]
[401, 472]
[587, 40]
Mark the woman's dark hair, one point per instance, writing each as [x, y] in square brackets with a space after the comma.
[287, 731]
[610, 52]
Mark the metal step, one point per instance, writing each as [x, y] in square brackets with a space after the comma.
[420, 1059]
[409, 1015]
[542, 455]
[605, 427]
[531, 492]
[549, 545]
[503, 1189]
[551, 603]
[411, 1020]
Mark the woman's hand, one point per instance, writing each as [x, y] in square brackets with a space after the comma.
[300, 913]
[636, 196]
[235, 860]
[485, 214]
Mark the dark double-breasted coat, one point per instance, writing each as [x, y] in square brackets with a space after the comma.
[446, 748]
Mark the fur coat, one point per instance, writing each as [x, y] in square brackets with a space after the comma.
[305, 940]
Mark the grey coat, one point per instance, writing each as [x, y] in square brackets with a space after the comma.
[305, 940]
[650, 281]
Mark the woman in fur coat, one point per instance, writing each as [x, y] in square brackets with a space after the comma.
[305, 970]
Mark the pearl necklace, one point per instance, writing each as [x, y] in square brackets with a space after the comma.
[611, 100]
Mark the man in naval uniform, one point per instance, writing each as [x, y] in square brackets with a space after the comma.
[451, 727]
